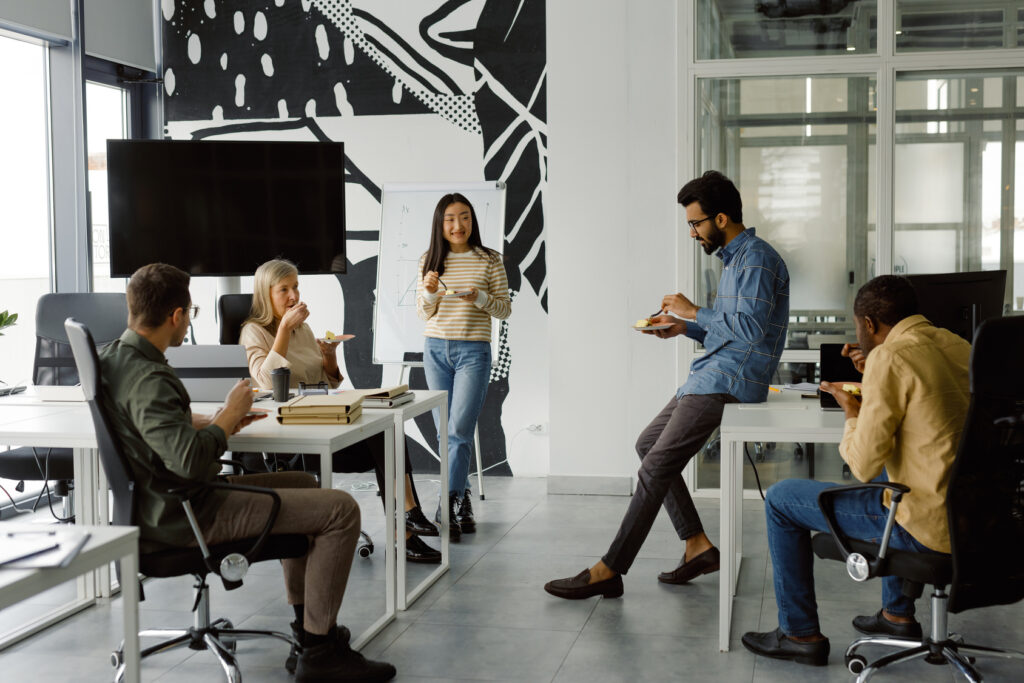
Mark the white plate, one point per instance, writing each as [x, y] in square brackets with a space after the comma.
[456, 293]
[664, 326]
[336, 339]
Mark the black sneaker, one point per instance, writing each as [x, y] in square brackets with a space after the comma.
[454, 528]
[466, 520]
[334, 660]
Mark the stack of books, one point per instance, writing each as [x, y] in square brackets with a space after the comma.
[386, 397]
[314, 409]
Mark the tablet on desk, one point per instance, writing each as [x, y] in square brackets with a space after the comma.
[835, 367]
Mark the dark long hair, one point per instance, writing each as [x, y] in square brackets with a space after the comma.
[439, 246]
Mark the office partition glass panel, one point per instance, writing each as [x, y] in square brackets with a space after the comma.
[106, 119]
[958, 188]
[731, 29]
[798, 148]
[24, 201]
[957, 25]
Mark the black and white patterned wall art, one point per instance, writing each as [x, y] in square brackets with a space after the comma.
[462, 81]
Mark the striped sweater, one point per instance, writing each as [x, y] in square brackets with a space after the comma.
[453, 318]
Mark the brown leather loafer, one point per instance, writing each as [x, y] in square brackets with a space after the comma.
[705, 563]
[578, 588]
[878, 625]
[778, 645]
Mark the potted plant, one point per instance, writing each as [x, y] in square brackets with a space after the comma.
[7, 320]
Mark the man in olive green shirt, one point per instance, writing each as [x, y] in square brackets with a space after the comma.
[168, 446]
[915, 398]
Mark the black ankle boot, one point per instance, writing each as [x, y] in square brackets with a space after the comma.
[454, 528]
[293, 656]
[466, 520]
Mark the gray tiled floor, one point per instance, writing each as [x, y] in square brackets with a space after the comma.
[489, 619]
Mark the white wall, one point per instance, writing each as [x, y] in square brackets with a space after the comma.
[612, 231]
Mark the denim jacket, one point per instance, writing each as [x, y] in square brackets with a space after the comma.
[745, 331]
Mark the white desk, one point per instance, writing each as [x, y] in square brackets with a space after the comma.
[27, 421]
[425, 401]
[782, 418]
[105, 545]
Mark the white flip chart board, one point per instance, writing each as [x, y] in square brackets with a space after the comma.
[406, 213]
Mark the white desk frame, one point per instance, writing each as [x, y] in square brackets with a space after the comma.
[27, 421]
[324, 440]
[424, 402]
[105, 545]
[780, 419]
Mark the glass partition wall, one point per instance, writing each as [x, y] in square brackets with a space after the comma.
[865, 138]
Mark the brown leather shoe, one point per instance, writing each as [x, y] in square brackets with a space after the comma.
[578, 588]
[705, 563]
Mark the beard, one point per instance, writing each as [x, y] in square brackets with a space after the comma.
[712, 243]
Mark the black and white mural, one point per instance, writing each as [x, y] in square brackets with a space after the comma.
[436, 90]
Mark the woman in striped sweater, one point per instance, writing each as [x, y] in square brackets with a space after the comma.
[462, 286]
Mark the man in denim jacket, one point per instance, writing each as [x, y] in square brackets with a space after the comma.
[743, 336]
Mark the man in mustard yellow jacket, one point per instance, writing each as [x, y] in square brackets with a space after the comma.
[906, 424]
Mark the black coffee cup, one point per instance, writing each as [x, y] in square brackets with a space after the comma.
[281, 378]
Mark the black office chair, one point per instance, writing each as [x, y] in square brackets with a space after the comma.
[107, 314]
[230, 560]
[985, 508]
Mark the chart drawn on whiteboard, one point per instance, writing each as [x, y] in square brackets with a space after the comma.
[407, 212]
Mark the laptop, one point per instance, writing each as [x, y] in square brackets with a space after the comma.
[835, 368]
[208, 371]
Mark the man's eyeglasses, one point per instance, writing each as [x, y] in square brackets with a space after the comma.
[693, 224]
[193, 311]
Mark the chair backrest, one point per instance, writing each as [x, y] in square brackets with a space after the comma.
[115, 465]
[233, 310]
[105, 313]
[984, 499]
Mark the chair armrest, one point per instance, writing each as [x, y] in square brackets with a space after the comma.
[188, 492]
[827, 505]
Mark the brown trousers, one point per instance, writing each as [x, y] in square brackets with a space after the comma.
[331, 520]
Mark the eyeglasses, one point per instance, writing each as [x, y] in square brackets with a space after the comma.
[193, 311]
[693, 224]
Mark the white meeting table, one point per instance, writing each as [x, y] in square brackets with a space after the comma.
[27, 421]
[783, 418]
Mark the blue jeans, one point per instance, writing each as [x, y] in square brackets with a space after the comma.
[463, 369]
[792, 512]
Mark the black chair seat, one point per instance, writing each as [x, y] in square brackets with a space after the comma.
[22, 463]
[923, 568]
[179, 561]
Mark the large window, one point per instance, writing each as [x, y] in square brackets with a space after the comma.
[106, 119]
[866, 137]
[24, 201]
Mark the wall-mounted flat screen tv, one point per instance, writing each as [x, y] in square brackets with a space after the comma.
[224, 207]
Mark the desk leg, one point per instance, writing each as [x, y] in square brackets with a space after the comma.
[443, 495]
[85, 466]
[104, 581]
[730, 463]
[130, 603]
[399, 499]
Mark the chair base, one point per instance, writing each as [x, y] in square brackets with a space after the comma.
[219, 637]
[940, 647]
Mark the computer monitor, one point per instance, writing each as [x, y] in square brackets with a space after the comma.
[960, 302]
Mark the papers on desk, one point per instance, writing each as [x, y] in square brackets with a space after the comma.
[392, 402]
[802, 387]
[39, 549]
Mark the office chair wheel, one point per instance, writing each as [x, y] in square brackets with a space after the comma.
[116, 658]
[365, 547]
[856, 663]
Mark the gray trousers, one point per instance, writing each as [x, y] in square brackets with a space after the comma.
[665, 446]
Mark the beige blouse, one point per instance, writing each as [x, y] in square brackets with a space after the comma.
[303, 359]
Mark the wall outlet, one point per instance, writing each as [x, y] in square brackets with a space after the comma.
[538, 427]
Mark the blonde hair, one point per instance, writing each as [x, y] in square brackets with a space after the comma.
[267, 275]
